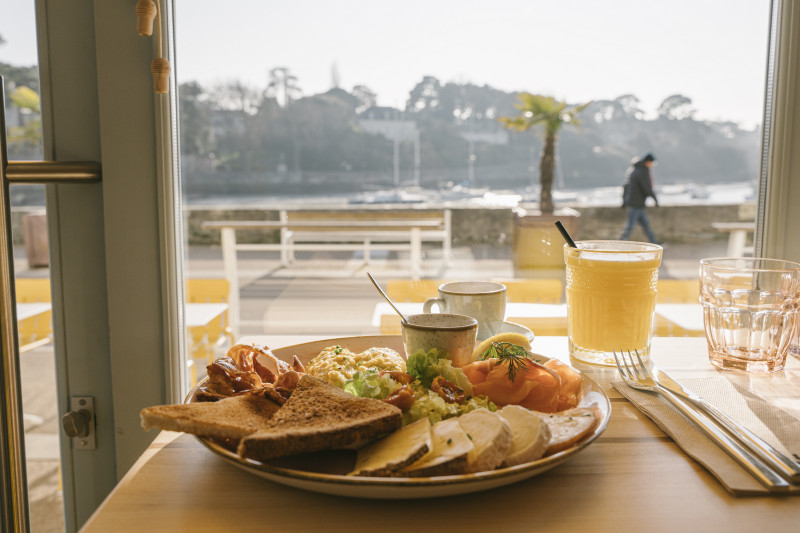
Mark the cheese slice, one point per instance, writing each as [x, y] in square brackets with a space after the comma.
[530, 435]
[567, 428]
[451, 448]
[386, 456]
[491, 438]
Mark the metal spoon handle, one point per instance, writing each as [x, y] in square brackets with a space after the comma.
[386, 297]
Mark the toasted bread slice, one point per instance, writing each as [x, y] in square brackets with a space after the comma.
[491, 438]
[450, 454]
[229, 418]
[567, 428]
[530, 435]
[319, 416]
[385, 457]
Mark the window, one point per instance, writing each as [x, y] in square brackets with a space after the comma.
[380, 118]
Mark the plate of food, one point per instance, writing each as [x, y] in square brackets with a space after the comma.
[354, 416]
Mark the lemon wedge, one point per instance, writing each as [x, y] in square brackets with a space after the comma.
[510, 337]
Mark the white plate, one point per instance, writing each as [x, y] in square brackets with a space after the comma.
[310, 474]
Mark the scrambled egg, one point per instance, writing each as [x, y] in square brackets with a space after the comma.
[336, 365]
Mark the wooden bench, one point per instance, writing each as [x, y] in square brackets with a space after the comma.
[336, 230]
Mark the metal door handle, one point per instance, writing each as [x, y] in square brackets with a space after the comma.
[76, 423]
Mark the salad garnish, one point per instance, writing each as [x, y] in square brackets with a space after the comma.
[514, 356]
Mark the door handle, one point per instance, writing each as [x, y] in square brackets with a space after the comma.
[79, 423]
[76, 424]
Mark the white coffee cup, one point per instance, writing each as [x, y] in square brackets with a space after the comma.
[483, 300]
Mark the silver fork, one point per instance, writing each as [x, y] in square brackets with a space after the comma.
[637, 377]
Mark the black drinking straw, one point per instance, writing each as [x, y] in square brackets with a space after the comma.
[565, 234]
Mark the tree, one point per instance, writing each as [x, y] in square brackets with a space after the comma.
[283, 86]
[28, 135]
[366, 97]
[676, 107]
[536, 109]
[424, 95]
[196, 132]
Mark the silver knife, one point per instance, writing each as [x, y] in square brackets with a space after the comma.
[789, 468]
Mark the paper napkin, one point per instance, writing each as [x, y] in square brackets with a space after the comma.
[775, 425]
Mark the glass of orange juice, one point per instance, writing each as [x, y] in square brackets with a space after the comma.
[611, 298]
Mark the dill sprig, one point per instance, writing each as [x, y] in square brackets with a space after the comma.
[513, 355]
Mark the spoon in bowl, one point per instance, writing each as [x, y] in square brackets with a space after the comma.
[403, 318]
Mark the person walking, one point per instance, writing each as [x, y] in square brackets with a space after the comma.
[638, 186]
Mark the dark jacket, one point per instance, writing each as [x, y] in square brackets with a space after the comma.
[638, 186]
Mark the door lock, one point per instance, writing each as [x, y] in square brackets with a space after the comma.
[79, 423]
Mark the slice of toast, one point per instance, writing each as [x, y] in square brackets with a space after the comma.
[530, 435]
[450, 454]
[567, 428]
[319, 416]
[229, 418]
[385, 457]
[491, 438]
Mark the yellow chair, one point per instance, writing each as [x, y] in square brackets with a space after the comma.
[543, 291]
[206, 340]
[407, 290]
[36, 330]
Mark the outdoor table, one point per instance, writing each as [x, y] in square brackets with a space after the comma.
[737, 236]
[33, 333]
[544, 319]
[686, 316]
[200, 314]
[204, 334]
[513, 310]
[633, 477]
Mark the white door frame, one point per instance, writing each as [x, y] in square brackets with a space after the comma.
[780, 194]
[115, 247]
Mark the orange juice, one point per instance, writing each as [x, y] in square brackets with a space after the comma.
[611, 297]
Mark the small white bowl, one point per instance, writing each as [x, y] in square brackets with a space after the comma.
[454, 334]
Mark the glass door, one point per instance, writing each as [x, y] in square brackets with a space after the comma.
[116, 322]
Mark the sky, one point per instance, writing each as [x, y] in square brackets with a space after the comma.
[713, 51]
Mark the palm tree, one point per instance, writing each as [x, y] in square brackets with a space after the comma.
[536, 109]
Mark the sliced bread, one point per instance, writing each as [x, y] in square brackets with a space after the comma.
[530, 435]
[385, 457]
[319, 416]
[450, 454]
[229, 418]
[491, 438]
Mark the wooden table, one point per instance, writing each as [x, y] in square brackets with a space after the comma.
[632, 478]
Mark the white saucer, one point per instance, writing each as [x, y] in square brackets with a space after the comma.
[511, 327]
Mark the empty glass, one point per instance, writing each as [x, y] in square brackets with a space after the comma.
[751, 309]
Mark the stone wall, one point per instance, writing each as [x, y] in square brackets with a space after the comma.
[494, 226]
